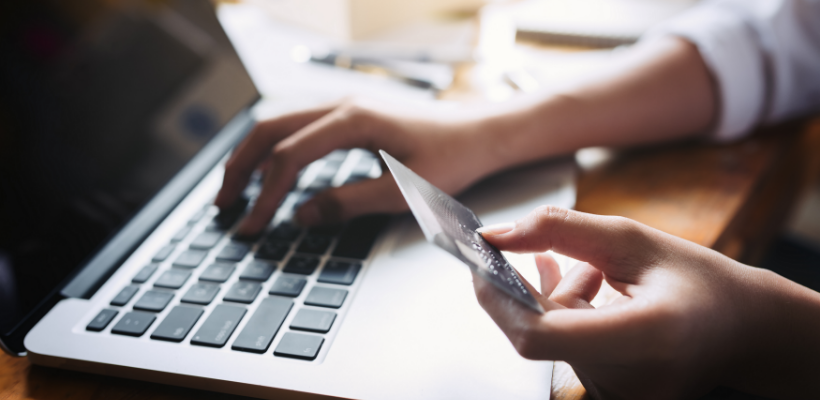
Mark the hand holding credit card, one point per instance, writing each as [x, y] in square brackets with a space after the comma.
[452, 226]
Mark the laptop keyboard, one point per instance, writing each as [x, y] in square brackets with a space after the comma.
[286, 270]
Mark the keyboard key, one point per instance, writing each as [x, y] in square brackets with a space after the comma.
[336, 156]
[301, 265]
[190, 258]
[326, 230]
[201, 293]
[163, 253]
[358, 237]
[250, 239]
[134, 323]
[313, 320]
[153, 300]
[319, 183]
[145, 273]
[227, 217]
[299, 345]
[217, 329]
[361, 171]
[257, 271]
[181, 234]
[287, 285]
[314, 244]
[217, 272]
[233, 252]
[101, 320]
[326, 297]
[363, 167]
[285, 231]
[213, 226]
[258, 333]
[339, 272]
[328, 171]
[124, 296]
[198, 216]
[273, 250]
[243, 292]
[304, 197]
[173, 278]
[206, 240]
[177, 324]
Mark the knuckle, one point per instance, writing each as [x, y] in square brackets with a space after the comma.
[356, 115]
[539, 226]
[283, 156]
[625, 224]
[563, 298]
[549, 215]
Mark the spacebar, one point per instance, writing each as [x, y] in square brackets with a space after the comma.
[263, 325]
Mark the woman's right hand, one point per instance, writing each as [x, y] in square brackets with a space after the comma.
[446, 151]
[688, 318]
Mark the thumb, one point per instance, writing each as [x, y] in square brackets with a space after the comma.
[380, 195]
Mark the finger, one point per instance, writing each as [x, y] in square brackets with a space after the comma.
[347, 126]
[618, 246]
[579, 287]
[380, 195]
[549, 271]
[509, 314]
[278, 180]
[579, 335]
[256, 148]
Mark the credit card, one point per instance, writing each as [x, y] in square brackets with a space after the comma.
[451, 226]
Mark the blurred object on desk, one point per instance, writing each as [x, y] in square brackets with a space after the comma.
[592, 23]
[507, 67]
[356, 19]
[444, 38]
[266, 47]
[424, 75]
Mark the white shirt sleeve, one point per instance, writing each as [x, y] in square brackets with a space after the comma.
[763, 54]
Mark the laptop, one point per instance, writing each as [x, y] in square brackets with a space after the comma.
[117, 118]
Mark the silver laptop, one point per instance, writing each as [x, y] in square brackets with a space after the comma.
[114, 261]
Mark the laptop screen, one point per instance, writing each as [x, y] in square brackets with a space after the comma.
[101, 103]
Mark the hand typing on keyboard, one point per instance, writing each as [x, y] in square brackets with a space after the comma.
[688, 318]
[444, 151]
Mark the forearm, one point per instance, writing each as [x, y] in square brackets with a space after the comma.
[660, 91]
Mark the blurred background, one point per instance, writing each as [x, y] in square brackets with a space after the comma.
[446, 54]
[439, 55]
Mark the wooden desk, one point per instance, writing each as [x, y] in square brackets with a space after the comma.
[728, 197]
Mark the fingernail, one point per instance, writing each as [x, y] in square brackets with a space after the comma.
[308, 215]
[496, 229]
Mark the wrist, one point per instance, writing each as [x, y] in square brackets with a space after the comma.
[525, 131]
[777, 353]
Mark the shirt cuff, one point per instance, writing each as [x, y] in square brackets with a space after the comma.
[729, 47]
